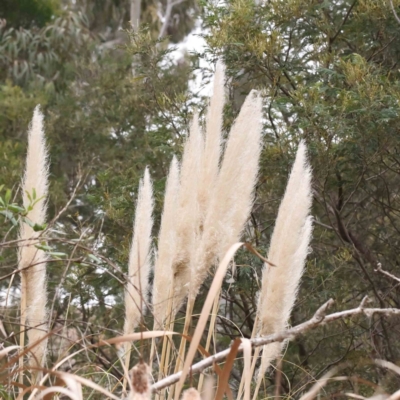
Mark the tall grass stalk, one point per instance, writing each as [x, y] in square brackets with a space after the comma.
[139, 262]
[187, 221]
[288, 251]
[188, 212]
[232, 197]
[219, 213]
[167, 248]
[32, 261]
[211, 333]
[212, 141]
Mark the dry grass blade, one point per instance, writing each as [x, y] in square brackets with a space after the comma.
[208, 392]
[250, 248]
[28, 350]
[214, 289]
[74, 382]
[247, 368]
[86, 382]
[7, 350]
[73, 386]
[59, 389]
[223, 384]
[205, 353]
[134, 336]
[395, 396]
[211, 331]
[318, 386]
[388, 365]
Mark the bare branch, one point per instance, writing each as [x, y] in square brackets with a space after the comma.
[394, 11]
[318, 319]
[382, 271]
[167, 16]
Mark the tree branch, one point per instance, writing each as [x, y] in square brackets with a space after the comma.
[394, 12]
[318, 319]
[331, 40]
[167, 16]
[382, 271]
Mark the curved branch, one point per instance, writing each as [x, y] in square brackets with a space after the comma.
[318, 319]
[394, 11]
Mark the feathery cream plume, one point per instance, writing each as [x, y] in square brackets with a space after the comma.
[232, 197]
[241, 168]
[32, 261]
[141, 388]
[199, 172]
[188, 211]
[191, 394]
[213, 137]
[139, 257]
[167, 245]
[288, 251]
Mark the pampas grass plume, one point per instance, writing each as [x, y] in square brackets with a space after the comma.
[232, 197]
[212, 142]
[141, 389]
[32, 261]
[240, 168]
[288, 251]
[139, 257]
[167, 245]
[191, 394]
[188, 211]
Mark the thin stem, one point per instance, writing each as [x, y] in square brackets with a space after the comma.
[182, 347]
[210, 333]
[22, 333]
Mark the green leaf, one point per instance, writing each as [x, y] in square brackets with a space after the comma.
[9, 215]
[94, 258]
[38, 228]
[15, 208]
[7, 197]
[57, 254]
[28, 222]
[43, 247]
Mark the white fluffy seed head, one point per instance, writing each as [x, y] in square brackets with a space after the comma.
[31, 259]
[191, 394]
[141, 387]
[213, 138]
[139, 256]
[232, 198]
[188, 219]
[167, 248]
[288, 251]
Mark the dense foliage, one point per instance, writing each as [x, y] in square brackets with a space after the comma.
[116, 101]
